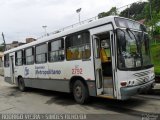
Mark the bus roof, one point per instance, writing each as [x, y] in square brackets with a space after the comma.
[52, 36]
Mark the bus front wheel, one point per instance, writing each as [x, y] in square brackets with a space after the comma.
[80, 92]
[21, 84]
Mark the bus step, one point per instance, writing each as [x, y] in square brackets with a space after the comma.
[108, 91]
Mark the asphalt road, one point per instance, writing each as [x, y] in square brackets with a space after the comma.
[44, 101]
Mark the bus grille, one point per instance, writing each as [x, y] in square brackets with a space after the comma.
[143, 80]
[142, 77]
[142, 73]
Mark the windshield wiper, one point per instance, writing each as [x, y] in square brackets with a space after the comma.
[129, 30]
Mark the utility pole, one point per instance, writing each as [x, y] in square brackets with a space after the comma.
[4, 42]
[150, 9]
[151, 18]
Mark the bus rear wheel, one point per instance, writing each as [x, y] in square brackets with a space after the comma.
[21, 84]
[80, 92]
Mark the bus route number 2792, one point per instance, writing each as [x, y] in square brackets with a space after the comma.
[77, 70]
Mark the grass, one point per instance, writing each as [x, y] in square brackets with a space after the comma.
[155, 53]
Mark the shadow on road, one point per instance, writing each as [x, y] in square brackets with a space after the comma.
[60, 98]
[66, 99]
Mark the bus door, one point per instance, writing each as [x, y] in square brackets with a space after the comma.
[98, 67]
[104, 57]
[11, 60]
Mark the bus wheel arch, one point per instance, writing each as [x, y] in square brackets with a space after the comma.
[21, 83]
[77, 84]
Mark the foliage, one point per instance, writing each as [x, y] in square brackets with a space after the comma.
[152, 17]
[155, 4]
[156, 57]
[150, 11]
[154, 22]
[112, 11]
[135, 11]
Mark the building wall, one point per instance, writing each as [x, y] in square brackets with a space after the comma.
[28, 40]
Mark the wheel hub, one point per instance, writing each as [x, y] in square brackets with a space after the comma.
[78, 91]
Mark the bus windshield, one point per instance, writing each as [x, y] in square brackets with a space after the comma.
[127, 23]
[133, 49]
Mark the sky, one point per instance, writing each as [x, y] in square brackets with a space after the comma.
[21, 19]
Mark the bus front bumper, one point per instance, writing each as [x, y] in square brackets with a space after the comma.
[127, 92]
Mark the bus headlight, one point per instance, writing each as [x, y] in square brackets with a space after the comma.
[123, 83]
[152, 74]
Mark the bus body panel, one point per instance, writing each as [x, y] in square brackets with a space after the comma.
[56, 75]
[19, 71]
[137, 81]
[7, 74]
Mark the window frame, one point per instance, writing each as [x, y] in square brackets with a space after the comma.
[35, 60]
[50, 51]
[22, 58]
[6, 60]
[87, 43]
[33, 54]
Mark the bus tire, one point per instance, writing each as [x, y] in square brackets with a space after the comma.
[21, 84]
[80, 92]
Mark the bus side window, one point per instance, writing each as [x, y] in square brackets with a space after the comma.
[41, 53]
[56, 50]
[29, 56]
[78, 46]
[19, 58]
[87, 51]
[69, 54]
[6, 60]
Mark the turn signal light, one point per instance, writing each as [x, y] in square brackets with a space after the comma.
[123, 83]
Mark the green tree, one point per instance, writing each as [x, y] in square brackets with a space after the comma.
[155, 4]
[152, 16]
[151, 7]
[135, 11]
[112, 11]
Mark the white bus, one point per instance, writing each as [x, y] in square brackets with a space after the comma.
[108, 57]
